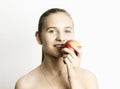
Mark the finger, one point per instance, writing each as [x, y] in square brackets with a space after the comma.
[77, 49]
[67, 62]
[69, 57]
[70, 52]
[67, 50]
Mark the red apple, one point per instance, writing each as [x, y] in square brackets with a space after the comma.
[73, 42]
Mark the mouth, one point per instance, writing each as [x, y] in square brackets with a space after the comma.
[59, 46]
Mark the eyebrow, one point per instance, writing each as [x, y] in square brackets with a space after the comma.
[56, 27]
[51, 27]
[68, 27]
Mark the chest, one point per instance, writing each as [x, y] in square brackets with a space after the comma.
[52, 84]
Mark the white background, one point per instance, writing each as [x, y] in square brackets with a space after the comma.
[97, 25]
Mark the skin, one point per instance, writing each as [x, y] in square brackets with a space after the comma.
[61, 67]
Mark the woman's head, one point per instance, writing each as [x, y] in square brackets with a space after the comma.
[55, 28]
[49, 12]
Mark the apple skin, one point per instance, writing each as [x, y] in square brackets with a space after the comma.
[73, 42]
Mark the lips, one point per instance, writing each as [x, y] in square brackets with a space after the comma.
[59, 46]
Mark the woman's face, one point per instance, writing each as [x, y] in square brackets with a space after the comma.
[57, 29]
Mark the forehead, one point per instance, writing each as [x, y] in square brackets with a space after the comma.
[58, 18]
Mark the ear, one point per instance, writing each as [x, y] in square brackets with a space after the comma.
[37, 35]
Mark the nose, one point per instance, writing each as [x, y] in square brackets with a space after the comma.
[60, 37]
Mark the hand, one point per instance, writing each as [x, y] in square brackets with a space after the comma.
[71, 59]
[73, 66]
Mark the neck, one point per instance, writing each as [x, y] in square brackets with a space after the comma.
[54, 66]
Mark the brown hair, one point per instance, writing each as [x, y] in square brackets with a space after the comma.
[44, 15]
[47, 13]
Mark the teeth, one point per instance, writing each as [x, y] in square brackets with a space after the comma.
[59, 45]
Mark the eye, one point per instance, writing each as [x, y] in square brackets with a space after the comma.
[67, 31]
[51, 31]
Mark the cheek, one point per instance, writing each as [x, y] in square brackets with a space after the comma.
[44, 37]
[47, 40]
[71, 36]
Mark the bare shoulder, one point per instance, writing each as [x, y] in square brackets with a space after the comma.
[28, 81]
[23, 82]
[90, 79]
[87, 73]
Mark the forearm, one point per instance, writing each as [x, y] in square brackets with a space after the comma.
[75, 79]
[75, 84]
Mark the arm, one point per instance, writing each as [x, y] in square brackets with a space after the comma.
[78, 79]
[24, 83]
[73, 63]
[91, 81]
[20, 84]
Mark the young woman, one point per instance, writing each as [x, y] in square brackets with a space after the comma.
[60, 67]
